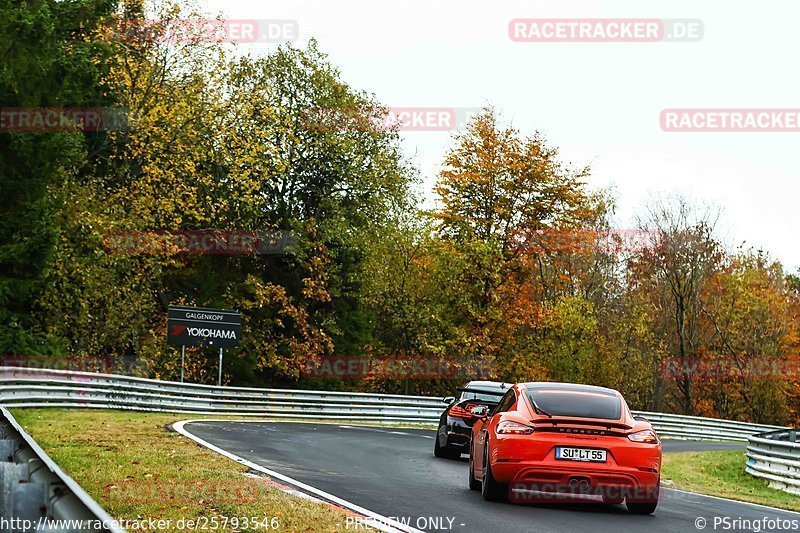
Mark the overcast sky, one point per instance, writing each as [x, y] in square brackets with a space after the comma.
[600, 103]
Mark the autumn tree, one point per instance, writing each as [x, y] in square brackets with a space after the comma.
[754, 349]
[673, 270]
[496, 186]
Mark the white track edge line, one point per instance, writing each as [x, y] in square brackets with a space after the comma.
[381, 522]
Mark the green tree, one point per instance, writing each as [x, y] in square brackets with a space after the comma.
[51, 58]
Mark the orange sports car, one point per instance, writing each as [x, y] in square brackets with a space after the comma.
[565, 442]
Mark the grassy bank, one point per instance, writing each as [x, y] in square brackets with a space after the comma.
[721, 473]
[136, 470]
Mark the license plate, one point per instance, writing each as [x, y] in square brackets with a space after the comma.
[581, 454]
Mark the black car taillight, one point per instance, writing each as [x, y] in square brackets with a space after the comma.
[462, 412]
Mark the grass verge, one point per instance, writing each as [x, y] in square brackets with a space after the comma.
[137, 470]
[721, 473]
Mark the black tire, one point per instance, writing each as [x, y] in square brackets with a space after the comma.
[443, 451]
[490, 488]
[646, 505]
[641, 508]
[474, 484]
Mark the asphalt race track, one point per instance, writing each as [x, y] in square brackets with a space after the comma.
[393, 472]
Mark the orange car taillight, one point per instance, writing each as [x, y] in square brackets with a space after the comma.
[648, 436]
[507, 427]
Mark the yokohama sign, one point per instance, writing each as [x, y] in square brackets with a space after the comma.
[215, 328]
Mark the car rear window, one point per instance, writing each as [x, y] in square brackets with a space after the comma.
[577, 403]
[491, 398]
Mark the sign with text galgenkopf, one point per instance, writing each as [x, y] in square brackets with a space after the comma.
[193, 326]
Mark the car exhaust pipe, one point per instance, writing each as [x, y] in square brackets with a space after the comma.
[579, 484]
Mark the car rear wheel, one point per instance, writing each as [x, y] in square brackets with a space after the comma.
[490, 488]
[443, 451]
[642, 508]
[474, 484]
[646, 505]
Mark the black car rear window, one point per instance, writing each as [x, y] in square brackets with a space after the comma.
[490, 398]
[577, 403]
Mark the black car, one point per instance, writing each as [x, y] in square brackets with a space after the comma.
[455, 424]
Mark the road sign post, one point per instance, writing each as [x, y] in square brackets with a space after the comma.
[219, 380]
[198, 326]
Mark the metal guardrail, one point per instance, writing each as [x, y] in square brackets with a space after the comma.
[775, 456]
[24, 387]
[35, 495]
[702, 428]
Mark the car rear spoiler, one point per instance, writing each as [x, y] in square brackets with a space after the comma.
[479, 391]
[556, 420]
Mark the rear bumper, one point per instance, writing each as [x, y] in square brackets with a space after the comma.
[535, 483]
[458, 437]
[528, 464]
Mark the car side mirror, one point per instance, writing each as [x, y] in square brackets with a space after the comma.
[449, 400]
[481, 411]
[640, 418]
